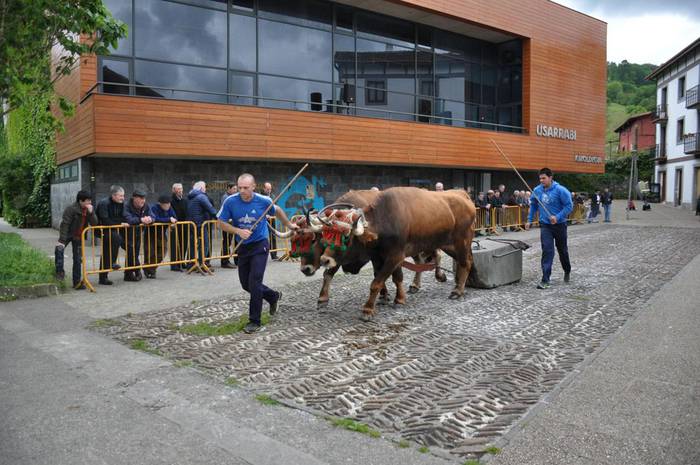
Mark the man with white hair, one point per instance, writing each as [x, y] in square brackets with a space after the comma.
[243, 210]
[439, 187]
[199, 210]
[178, 202]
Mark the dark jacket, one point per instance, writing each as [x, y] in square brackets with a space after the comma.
[595, 200]
[110, 213]
[133, 215]
[199, 208]
[481, 203]
[606, 198]
[162, 216]
[72, 221]
[180, 207]
[497, 202]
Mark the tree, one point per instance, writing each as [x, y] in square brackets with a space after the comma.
[30, 29]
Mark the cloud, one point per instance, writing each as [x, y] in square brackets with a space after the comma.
[626, 8]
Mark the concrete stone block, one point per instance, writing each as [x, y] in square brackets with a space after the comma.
[497, 262]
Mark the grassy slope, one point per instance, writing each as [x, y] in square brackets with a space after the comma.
[22, 265]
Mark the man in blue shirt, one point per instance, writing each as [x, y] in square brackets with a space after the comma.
[243, 209]
[553, 202]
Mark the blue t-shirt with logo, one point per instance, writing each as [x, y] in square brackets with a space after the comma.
[243, 214]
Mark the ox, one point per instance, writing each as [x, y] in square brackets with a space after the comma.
[406, 222]
[308, 244]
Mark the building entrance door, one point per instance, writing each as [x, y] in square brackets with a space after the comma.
[678, 188]
[696, 194]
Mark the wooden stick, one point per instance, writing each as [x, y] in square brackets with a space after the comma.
[521, 178]
[274, 202]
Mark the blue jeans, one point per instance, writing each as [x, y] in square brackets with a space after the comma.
[551, 235]
[607, 212]
[252, 261]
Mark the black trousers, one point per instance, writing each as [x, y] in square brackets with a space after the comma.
[179, 240]
[227, 243]
[77, 260]
[111, 240]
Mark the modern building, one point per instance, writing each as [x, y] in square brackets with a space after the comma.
[637, 134]
[676, 116]
[400, 92]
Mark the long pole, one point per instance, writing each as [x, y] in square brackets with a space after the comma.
[274, 202]
[521, 178]
[629, 191]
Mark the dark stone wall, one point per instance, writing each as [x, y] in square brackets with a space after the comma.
[328, 181]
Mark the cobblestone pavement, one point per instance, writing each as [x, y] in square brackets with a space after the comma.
[448, 375]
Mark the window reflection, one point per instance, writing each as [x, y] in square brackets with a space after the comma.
[121, 10]
[115, 71]
[181, 33]
[242, 85]
[306, 13]
[293, 89]
[179, 81]
[294, 50]
[243, 42]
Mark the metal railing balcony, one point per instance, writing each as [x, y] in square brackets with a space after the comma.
[691, 98]
[691, 144]
[329, 106]
[659, 114]
[660, 153]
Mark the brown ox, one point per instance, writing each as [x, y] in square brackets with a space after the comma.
[406, 222]
[307, 245]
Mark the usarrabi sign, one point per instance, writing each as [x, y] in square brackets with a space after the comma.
[558, 133]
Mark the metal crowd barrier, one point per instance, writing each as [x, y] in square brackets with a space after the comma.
[217, 244]
[145, 248]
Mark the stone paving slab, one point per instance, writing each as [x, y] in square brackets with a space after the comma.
[454, 376]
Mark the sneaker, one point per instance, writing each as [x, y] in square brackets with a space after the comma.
[543, 285]
[116, 266]
[275, 306]
[567, 277]
[106, 282]
[130, 276]
[253, 328]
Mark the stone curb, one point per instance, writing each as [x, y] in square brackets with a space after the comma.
[29, 292]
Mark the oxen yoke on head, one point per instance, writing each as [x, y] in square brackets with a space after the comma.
[303, 239]
[341, 222]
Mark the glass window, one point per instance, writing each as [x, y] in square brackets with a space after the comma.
[243, 42]
[292, 89]
[116, 71]
[472, 84]
[385, 28]
[244, 5]
[488, 87]
[344, 60]
[294, 50]
[242, 85]
[121, 10]
[343, 18]
[450, 78]
[375, 92]
[304, 12]
[455, 44]
[425, 36]
[181, 33]
[217, 4]
[187, 79]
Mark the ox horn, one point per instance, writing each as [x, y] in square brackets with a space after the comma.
[282, 235]
[315, 223]
[360, 224]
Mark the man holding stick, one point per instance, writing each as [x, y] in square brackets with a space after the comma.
[245, 209]
[553, 202]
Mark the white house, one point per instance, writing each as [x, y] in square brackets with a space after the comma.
[677, 142]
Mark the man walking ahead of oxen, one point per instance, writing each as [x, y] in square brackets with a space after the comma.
[244, 208]
[553, 202]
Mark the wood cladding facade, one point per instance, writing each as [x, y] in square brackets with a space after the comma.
[564, 85]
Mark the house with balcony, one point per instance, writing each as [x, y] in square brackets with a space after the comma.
[677, 126]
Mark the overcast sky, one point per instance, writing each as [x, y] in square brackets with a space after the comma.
[644, 31]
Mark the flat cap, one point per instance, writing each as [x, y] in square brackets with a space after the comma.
[139, 193]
